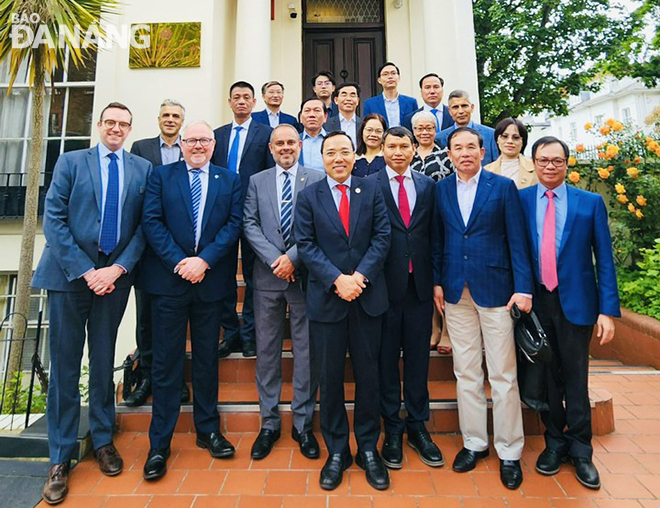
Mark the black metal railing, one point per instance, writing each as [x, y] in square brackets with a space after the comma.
[12, 193]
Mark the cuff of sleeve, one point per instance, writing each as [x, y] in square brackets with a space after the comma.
[122, 267]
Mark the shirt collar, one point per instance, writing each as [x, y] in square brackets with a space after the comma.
[104, 151]
[342, 119]
[333, 183]
[305, 134]
[438, 108]
[163, 142]
[393, 100]
[203, 169]
[560, 192]
[391, 174]
[293, 170]
[270, 113]
[474, 179]
[245, 125]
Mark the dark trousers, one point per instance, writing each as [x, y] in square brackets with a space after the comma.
[171, 315]
[230, 322]
[143, 332]
[407, 327]
[568, 427]
[360, 334]
[70, 313]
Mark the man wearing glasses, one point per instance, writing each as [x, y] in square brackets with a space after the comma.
[93, 242]
[323, 86]
[568, 230]
[392, 105]
[191, 220]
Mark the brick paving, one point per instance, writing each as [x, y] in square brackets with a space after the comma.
[628, 460]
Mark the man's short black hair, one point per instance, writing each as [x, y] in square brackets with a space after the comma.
[308, 99]
[116, 105]
[334, 134]
[431, 75]
[241, 84]
[386, 64]
[465, 129]
[327, 74]
[347, 84]
[522, 130]
[549, 140]
[268, 84]
[399, 132]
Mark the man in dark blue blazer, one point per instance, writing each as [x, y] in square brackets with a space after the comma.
[407, 325]
[343, 233]
[192, 220]
[432, 89]
[272, 92]
[461, 110]
[391, 104]
[481, 269]
[323, 86]
[568, 229]
[347, 98]
[93, 242]
[241, 147]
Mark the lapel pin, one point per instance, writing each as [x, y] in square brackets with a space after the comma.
[358, 190]
[302, 178]
[217, 176]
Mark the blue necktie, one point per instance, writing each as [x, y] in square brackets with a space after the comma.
[196, 198]
[437, 123]
[111, 210]
[286, 210]
[232, 161]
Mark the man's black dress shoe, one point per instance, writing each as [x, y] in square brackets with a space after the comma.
[249, 348]
[392, 452]
[333, 470]
[156, 465]
[140, 395]
[216, 444]
[466, 460]
[309, 446]
[429, 453]
[264, 443]
[377, 475]
[226, 348]
[511, 474]
[185, 393]
[549, 461]
[586, 472]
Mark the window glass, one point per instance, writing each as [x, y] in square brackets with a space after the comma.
[344, 11]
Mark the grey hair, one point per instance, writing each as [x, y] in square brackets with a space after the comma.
[199, 122]
[422, 116]
[173, 102]
[282, 126]
[458, 94]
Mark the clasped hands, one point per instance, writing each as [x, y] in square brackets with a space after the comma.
[102, 280]
[283, 268]
[349, 287]
[192, 269]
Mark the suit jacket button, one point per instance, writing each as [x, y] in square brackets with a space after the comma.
[465, 236]
[465, 257]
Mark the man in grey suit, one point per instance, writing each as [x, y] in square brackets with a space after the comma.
[93, 241]
[347, 98]
[267, 224]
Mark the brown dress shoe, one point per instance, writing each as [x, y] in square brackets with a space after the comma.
[57, 484]
[110, 462]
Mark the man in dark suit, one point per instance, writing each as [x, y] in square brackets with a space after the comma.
[432, 88]
[267, 222]
[481, 269]
[93, 242]
[461, 110]
[323, 86]
[163, 149]
[241, 147]
[568, 229]
[347, 98]
[409, 196]
[343, 233]
[272, 92]
[392, 105]
[192, 220]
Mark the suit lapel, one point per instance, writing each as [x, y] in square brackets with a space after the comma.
[156, 152]
[251, 133]
[225, 134]
[381, 106]
[389, 199]
[299, 184]
[181, 176]
[129, 170]
[328, 204]
[452, 197]
[271, 190]
[573, 199]
[483, 191]
[531, 217]
[211, 194]
[355, 206]
[419, 190]
[95, 174]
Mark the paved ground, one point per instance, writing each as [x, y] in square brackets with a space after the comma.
[629, 462]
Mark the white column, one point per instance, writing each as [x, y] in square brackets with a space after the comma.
[253, 47]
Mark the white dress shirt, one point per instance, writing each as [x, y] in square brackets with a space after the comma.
[349, 127]
[170, 154]
[336, 193]
[438, 114]
[393, 111]
[204, 178]
[279, 181]
[273, 118]
[466, 192]
[408, 184]
[241, 140]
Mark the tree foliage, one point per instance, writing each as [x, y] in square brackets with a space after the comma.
[533, 54]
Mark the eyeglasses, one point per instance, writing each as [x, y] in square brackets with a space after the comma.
[370, 130]
[110, 124]
[557, 162]
[191, 142]
[429, 128]
[323, 83]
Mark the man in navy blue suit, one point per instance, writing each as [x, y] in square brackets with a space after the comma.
[568, 229]
[192, 220]
[272, 92]
[241, 147]
[432, 89]
[481, 269]
[343, 233]
[323, 86]
[461, 110]
[409, 196]
[391, 104]
[93, 243]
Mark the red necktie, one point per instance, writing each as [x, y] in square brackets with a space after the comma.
[548, 246]
[404, 209]
[344, 208]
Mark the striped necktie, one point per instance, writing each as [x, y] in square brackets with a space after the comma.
[286, 210]
[196, 197]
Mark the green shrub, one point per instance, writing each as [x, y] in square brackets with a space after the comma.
[639, 289]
